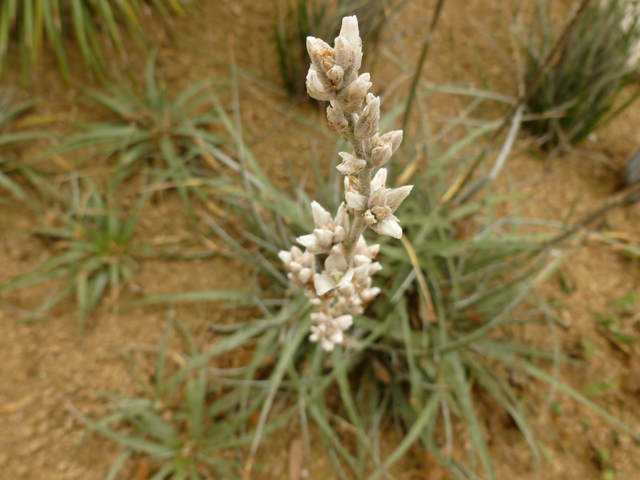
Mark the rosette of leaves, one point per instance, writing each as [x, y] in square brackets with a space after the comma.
[170, 134]
[581, 90]
[92, 250]
[55, 24]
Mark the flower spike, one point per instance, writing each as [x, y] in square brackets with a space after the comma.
[344, 287]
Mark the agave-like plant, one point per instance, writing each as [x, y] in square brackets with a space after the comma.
[36, 23]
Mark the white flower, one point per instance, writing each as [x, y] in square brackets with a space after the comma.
[336, 276]
[370, 251]
[320, 241]
[327, 232]
[382, 203]
[350, 164]
[365, 271]
[395, 196]
[328, 330]
[379, 179]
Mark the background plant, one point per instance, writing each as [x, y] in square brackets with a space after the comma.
[189, 414]
[10, 139]
[172, 135]
[440, 324]
[582, 88]
[35, 24]
[322, 19]
[93, 249]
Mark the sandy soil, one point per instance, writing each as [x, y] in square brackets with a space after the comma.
[46, 373]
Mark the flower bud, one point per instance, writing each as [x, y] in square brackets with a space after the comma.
[336, 117]
[361, 273]
[349, 30]
[321, 53]
[380, 155]
[339, 234]
[334, 76]
[346, 289]
[285, 256]
[370, 143]
[321, 217]
[359, 260]
[338, 249]
[318, 86]
[324, 238]
[393, 139]
[373, 268]
[345, 53]
[369, 294]
[368, 123]
[305, 275]
[348, 47]
[354, 94]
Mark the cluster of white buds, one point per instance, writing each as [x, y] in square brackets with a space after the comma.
[344, 287]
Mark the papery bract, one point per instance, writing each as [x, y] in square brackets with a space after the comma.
[350, 164]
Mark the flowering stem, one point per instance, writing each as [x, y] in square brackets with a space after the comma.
[364, 177]
[343, 287]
